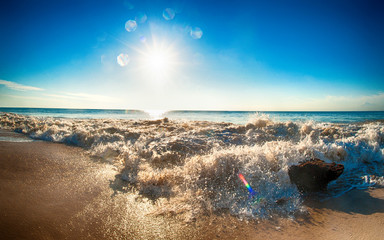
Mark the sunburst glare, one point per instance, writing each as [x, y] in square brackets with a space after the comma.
[159, 61]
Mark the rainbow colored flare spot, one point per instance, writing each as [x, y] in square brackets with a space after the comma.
[247, 184]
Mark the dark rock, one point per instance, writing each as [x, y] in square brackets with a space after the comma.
[314, 175]
[281, 201]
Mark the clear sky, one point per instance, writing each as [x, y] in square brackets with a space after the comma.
[193, 55]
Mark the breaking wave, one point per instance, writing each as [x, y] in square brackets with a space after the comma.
[191, 168]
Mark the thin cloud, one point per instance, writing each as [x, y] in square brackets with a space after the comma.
[91, 97]
[25, 97]
[374, 102]
[19, 87]
[60, 96]
[82, 97]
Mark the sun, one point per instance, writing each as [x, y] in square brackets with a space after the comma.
[159, 62]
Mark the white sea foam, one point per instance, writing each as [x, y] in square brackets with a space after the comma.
[191, 167]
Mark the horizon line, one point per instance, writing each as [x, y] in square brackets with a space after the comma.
[194, 110]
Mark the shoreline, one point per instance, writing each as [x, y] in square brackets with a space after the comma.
[54, 191]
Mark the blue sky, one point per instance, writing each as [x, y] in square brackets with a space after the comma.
[212, 55]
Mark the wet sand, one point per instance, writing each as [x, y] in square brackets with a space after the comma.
[54, 191]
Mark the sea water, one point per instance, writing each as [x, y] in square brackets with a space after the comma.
[237, 117]
[188, 163]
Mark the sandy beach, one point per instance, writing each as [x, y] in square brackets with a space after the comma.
[54, 191]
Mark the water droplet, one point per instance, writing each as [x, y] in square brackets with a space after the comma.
[196, 33]
[123, 59]
[131, 25]
[169, 14]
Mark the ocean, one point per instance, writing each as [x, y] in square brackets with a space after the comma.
[236, 117]
[188, 162]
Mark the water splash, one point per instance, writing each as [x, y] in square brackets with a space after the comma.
[191, 167]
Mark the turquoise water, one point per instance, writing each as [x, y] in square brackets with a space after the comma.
[237, 117]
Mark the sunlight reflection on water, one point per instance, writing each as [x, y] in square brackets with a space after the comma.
[156, 114]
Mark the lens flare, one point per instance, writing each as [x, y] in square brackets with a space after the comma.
[128, 5]
[169, 14]
[253, 193]
[123, 59]
[141, 17]
[196, 33]
[131, 25]
[143, 39]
